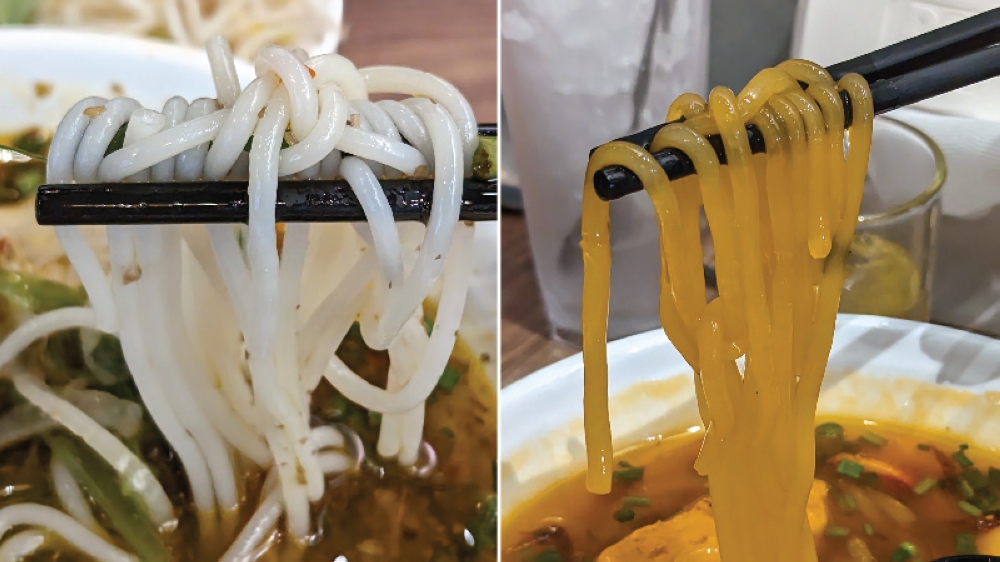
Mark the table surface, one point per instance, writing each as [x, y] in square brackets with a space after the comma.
[454, 39]
[524, 342]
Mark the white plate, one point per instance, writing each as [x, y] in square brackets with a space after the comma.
[880, 369]
[80, 64]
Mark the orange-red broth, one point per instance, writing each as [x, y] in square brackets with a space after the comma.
[565, 523]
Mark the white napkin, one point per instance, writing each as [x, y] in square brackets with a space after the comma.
[966, 285]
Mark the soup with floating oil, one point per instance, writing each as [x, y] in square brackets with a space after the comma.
[881, 493]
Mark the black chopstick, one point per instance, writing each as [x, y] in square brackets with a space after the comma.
[228, 202]
[972, 65]
[945, 43]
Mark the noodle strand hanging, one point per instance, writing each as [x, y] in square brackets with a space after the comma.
[782, 224]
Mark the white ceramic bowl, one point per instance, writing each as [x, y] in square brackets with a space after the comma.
[880, 369]
[80, 64]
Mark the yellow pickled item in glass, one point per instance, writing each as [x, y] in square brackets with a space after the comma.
[881, 279]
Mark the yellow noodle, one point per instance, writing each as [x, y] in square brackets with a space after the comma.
[829, 101]
[806, 71]
[766, 84]
[804, 270]
[686, 106]
[718, 209]
[781, 225]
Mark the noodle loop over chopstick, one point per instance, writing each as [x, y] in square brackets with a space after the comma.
[228, 329]
[782, 224]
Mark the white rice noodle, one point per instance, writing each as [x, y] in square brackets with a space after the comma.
[326, 328]
[174, 111]
[59, 169]
[400, 434]
[456, 282]
[22, 545]
[215, 336]
[402, 300]
[126, 464]
[225, 338]
[65, 526]
[227, 82]
[23, 422]
[411, 127]
[71, 497]
[325, 437]
[416, 83]
[43, 325]
[294, 491]
[132, 317]
[257, 529]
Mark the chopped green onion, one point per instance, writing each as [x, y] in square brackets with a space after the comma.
[993, 475]
[970, 509]
[904, 552]
[869, 530]
[449, 378]
[636, 501]
[975, 478]
[873, 439]
[869, 480]
[965, 489]
[624, 515]
[923, 447]
[628, 473]
[965, 543]
[960, 457]
[850, 468]
[924, 486]
[428, 325]
[548, 555]
[830, 430]
[847, 503]
[447, 432]
[834, 531]
[374, 419]
[483, 525]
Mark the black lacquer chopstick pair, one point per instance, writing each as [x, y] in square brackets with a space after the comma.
[907, 72]
[228, 202]
[969, 558]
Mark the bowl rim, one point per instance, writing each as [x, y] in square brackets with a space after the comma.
[541, 426]
[76, 39]
[555, 376]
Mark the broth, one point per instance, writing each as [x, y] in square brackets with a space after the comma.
[894, 489]
[380, 512]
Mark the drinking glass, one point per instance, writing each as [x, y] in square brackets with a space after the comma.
[890, 269]
[576, 75]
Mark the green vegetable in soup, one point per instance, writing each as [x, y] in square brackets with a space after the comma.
[484, 525]
[124, 511]
[627, 473]
[37, 294]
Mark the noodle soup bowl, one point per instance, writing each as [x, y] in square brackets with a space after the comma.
[43, 72]
[922, 376]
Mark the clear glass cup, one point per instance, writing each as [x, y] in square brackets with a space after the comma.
[576, 75]
[890, 269]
